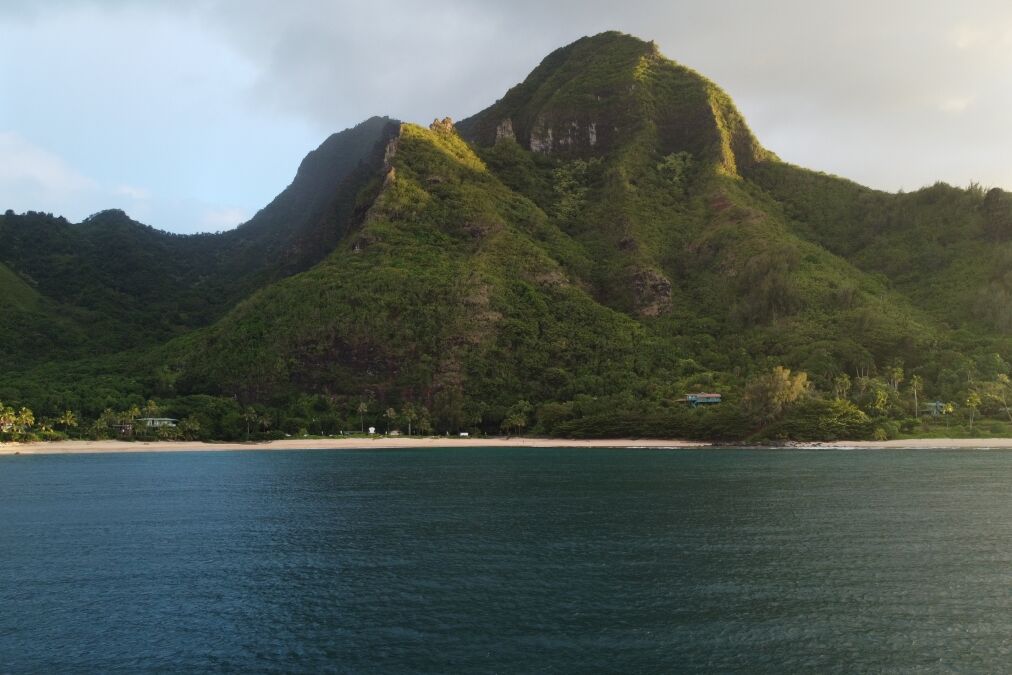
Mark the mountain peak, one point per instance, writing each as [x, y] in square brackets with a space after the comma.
[605, 91]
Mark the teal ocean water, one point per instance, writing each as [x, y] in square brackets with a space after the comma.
[507, 560]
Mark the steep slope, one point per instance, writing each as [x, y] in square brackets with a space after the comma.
[29, 323]
[303, 223]
[15, 294]
[678, 235]
[605, 92]
[448, 294]
[127, 284]
[949, 250]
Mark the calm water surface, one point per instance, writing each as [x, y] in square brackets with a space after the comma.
[498, 560]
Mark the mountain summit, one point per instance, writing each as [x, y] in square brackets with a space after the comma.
[607, 237]
[610, 91]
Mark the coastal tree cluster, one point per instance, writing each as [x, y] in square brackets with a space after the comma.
[774, 405]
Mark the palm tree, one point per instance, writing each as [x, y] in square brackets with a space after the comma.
[363, 408]
[916, 384]
[24, 420]
[972, 403]
[7, 418]
[251, 417]
[67, 420]
[410, 414]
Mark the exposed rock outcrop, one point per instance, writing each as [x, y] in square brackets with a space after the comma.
[652, 292]
[541, 137]
[504, 131]
[444, 125]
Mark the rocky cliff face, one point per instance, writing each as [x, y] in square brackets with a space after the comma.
[602, 92]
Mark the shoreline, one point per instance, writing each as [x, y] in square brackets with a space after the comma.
[377, 443]
[388, 443]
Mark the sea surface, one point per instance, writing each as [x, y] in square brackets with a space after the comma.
[507, 560]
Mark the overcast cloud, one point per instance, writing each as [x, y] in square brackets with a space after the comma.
[191, 115]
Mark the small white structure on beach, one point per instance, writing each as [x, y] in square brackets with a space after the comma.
[464, 434]
[372, 430]
[155, 422]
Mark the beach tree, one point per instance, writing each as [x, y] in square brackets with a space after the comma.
[68, 420]
[916, 386]
[251, 417]
[151, 409]
[7, 418]
[973, 402]
[391, 417]
[24, 421]
[424, 420]
[516, 417]
[1000, 392]
[410, 415]
[189, 428]
[768, 395]
[895, 375]
[363, 408]
[841, 386]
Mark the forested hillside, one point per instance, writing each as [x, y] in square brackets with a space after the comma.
[119, 284]
[575, 259]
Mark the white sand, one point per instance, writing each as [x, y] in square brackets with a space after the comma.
[380, 442]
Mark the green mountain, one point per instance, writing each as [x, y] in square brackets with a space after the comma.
[125, 285]
[607, 237]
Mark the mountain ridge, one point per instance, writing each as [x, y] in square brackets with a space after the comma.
[576, 257]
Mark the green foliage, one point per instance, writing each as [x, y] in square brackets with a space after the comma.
[109, 283]
[571, 184]
[675, 169]
[646, 248]
[817, 419]
[16, 424]
[768, 396]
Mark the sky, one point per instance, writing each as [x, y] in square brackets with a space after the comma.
[190, 115]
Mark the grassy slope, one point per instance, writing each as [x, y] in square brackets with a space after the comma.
[30, 323]
[15, 294]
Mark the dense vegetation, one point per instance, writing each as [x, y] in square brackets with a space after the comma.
[110, 283]
[572, 261]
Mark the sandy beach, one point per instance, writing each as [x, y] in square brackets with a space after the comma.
[387, 443]
[378, 443]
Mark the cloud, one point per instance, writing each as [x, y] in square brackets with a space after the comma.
[36, 169]
[955, 104]
[222, 219]
[33, 178]
[132, 192]
[212, 103]
[815, 80]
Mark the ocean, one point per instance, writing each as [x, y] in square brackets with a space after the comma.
[507, 560]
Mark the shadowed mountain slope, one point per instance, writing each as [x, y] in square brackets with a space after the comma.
[125, 284]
